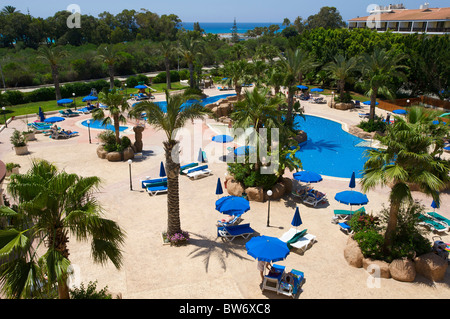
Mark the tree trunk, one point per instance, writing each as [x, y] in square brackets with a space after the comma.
[391, 226]
[59, 242]
[111, 76]
[173, 196]
[167, 63]
[373, 99]
[341, 90]
[290, 104]
[191, 74]
[55, 76]
[117, 128]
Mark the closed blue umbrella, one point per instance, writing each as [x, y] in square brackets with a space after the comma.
[296, 220]
[434, 205]
[222, 138]
[244, 150]
[232, 205]
[90, 98]
[41, 115]
[54, 119]
[352, 181]
[351, 198]
[201, 158]
[162, 171]
[266, 248]
[307, 177]
[400, 111]
[65, 101]
[302, 87]
[316, 90]
[219, 189]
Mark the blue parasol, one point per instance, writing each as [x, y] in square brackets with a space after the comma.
[352, 181]
[351, 198]
[368, 103]
[266, 248]
[434, 205]
[400, 111]
[222, 138]
[162, 171]
[219, 189]
[232, 205]
[141, 86]
[244, 150]
[90, 98]
[54, 119]
[65, 101]
[316, 90]
[302, 87]
[297, 220]
[307, 177]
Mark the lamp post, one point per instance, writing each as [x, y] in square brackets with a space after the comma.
[126, 89]
[129, 165]
[269, 193]
[74, 100]
[89, 130]
[407, 102]
[4, 114]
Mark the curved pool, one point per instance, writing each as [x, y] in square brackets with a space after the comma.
[97, 124]
[205, 101]
[330, 150]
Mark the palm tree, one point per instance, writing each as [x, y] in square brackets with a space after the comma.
[174, 118]
[237, 73]
[9, 10]
[378, 69]
[117, 105]
[166, 49]
[109, 56]
[341, 70]
[275, 79]
[51, 206]
[53, 56]
[405, 160]
[295, 64]
[189, 49]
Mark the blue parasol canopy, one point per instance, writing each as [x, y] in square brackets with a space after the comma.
[162, 171]
[368, 103]
[232, 205]
[266, 248]
[297, 220]
[436, 122]
[222, 138]
[65, 101]
[434, 205]
[141, 86]
[54, 119]
[90, 98]
[307, 177]
[400, 111]
[219, 189]
[302, 87]
[316, 90]
[244, 150]
[351, 198]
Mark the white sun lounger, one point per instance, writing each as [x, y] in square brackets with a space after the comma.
[300, 245]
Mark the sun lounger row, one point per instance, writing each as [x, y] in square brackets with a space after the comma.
[69, 113]
[231, 232]
[433, 223]
[155, 186]
[195, 171]
[55, 134]
[347, 214]
[286, 283]
[298, 241]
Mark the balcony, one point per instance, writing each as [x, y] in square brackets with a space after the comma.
[438, 30]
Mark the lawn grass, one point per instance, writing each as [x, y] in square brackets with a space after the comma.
[47, 106]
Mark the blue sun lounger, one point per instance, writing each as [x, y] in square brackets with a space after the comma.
[153, 190]
[273, 278]
[231, 232]
[184, 168]
[432, 224]
[154, 182]
[439, 218]
[347, 214]
[345, 227]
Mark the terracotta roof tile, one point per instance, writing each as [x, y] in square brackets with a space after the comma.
[415, 14]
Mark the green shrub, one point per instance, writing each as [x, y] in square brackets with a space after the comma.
[373, 125]
[131, 82]
[362, 221]
[90, 292]
[41, 94]
[371, 243]
[161, 77]
[245, 174]
[15, 97]
[184, 74]
[141, 78]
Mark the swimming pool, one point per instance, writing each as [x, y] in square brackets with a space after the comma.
[205, 101]
[97, 124]
[330, 150]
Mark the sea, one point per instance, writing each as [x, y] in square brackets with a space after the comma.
[226, 27]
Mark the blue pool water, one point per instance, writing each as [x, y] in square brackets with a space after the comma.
[98, 125]
[208, 100]
[330, 150]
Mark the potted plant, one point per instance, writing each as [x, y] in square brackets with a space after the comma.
[29, 135]
[12, 168]
[18, 140]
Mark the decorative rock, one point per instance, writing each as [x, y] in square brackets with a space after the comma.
[128, 153]
[431, 266]
[353, 254]
[288, 184]
[301, 137]
[255, 194]
[114, 156]
[101, 152]
[278, 191]
[344, 106]
[138, 137]
[234, 188]
[402, 270]
[379, 264]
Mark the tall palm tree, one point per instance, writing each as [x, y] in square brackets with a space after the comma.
[237, 73]
[174, 118]
[341, 70]
[117, 106]
[190, 48]
[166, 50]
[378, 69]
[295, 64]
[109, 56]
[404, 160]
[53, 56]
[51, 206]
[9, 10]
[275, 79]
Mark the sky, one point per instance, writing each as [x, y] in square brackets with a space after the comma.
[215, 10]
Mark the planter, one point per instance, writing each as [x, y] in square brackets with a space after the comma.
[30, 136]
[21, 150]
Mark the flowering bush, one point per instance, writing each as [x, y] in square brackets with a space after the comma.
[178, 239]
